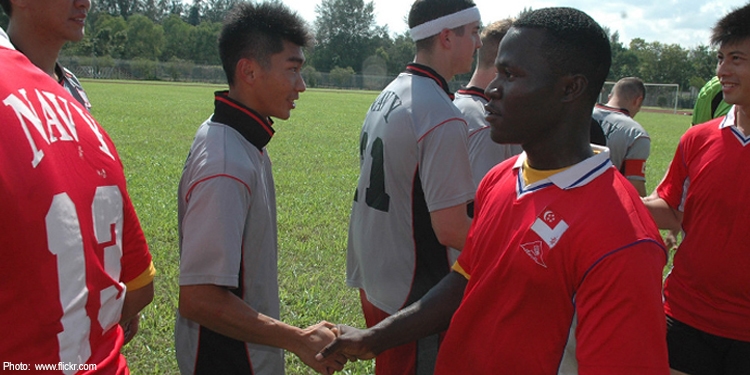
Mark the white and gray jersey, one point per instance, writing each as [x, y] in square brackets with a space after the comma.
[484, 153]
[626, 138]
[413, 160]
[228, 236]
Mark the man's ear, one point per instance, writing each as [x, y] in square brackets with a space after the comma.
[444, 38]
[638, 102]
[247, 71]
[574, 86]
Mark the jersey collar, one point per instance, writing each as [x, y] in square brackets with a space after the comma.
[474, 91]
[576, 176]
[251, 125]
[730, 121]
[426, 71]
[4, 40]
[613, 109]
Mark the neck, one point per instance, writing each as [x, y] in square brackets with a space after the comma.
[482, 77]
[742, 119]
[42, 52]
[440, 64]
[619, 105]
[564, 145]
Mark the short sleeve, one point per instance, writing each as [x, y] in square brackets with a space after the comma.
[444, 166]
[212, 229]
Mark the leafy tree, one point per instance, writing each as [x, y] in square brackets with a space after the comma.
[662, 63]
[704, 61]
[205, 45]
[145, 38]
[194, 14]
[624, 61]
[312, 77]
[216, 10]
[110, 34]
[400, 52]
[342, 77]
[123, 8]
[178, 38]
[346, 33]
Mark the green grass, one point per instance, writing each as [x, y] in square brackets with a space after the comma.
[315, 156]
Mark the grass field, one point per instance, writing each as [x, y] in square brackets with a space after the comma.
[315, 169]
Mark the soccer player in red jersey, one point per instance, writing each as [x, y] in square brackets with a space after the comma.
[562, 268]
[706, 295]
[75, 261]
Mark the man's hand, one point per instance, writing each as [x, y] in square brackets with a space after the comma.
[130, 328]
[671, 239]
[315, 338]
[351, 343]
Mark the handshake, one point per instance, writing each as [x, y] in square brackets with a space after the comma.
[327, 347]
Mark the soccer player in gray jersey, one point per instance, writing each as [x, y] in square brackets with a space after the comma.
[227, 321]
[629, 144]
[39, 29]
[415, 178]
[483, 152]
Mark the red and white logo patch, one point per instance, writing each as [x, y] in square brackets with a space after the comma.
[549, 227]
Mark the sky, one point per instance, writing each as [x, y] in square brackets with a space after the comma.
[684, 22]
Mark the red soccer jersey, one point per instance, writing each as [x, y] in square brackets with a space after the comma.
[709, 286]
[69, 236]
[576, 251]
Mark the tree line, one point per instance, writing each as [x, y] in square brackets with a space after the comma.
[347, 41]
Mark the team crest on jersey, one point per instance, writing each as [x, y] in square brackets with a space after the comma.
[535, 251]
[549, 227]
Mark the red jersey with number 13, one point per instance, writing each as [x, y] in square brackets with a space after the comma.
[69, 236]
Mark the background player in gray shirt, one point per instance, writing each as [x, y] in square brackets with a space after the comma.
[629, 144]
[415, 178]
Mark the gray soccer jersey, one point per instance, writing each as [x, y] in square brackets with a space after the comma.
[484, 153]
[413, 160]
[626, 138]
[228, 235]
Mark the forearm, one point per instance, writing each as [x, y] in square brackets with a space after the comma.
[639, 185]
[665, 216]
[135, 301]
[430, 315]
[217, 309]
[451, 226]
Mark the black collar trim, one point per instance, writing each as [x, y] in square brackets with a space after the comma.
[475, 91]
[426, 71]
[251, 125]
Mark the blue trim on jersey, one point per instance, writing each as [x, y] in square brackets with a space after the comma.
[730, 122]
[593, 173]
[577, 175]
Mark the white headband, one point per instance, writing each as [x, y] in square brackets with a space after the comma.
[450, 21]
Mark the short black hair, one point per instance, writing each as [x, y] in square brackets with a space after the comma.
[6, 6]
[734, 27]
[574, 44]
[257, 31]
[427, 10]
